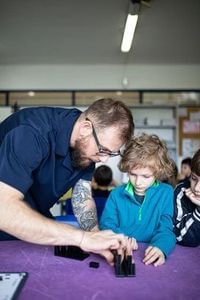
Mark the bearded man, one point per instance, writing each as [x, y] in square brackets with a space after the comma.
[44, 152]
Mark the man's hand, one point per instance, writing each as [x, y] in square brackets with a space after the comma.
[108, 255]
[131, 245]
[98, 241]
[154, 255]
[193, 198]
[103, 242]
[128, 250]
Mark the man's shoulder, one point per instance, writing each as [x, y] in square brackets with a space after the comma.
[43, 111]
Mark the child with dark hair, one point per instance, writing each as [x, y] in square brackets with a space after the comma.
[143, 208]
[185, 168]
[102, 184]
[102, 181]
[187, 207]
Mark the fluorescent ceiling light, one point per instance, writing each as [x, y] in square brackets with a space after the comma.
[129, 32]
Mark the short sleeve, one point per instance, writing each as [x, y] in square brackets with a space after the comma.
[21, 152]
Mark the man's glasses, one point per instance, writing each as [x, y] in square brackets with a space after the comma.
[102, 150]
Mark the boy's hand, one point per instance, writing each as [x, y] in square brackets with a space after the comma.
[154, 255]
[193, 198]
[131, 245]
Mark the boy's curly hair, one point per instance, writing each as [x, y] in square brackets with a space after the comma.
[147, 151]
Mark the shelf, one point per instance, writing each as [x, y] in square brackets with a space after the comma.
[152, 106]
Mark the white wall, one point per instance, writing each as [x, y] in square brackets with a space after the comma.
[99, 77]
[5, 112]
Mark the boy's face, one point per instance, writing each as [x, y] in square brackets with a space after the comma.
[185, 170]
[141, 179]
[195, 185]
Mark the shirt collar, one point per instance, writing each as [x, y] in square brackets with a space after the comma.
[130, 188]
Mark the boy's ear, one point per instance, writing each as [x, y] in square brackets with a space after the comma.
[85, 129]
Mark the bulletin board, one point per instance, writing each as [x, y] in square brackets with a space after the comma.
[189, 130]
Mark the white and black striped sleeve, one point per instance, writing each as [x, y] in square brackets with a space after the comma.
[186, 219]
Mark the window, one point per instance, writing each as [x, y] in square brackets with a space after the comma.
[40, 98]
[87, 98]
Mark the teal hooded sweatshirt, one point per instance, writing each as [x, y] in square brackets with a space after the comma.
[149, 222]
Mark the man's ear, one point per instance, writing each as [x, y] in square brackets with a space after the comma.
[85, 128]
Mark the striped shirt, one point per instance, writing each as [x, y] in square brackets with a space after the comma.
[186, 218]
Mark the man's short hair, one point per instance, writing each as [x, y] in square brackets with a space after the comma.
[108, 112]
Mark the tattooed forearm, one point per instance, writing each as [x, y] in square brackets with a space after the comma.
[83, 205]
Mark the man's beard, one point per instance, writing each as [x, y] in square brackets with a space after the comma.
[79, 159]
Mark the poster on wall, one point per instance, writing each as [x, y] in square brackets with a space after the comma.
[189, 131]
[191, 127]
[190, 146]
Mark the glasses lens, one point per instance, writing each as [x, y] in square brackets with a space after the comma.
[103, 152]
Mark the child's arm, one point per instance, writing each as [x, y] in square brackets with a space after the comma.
[110, 219]
[186, 218]
[163, 237]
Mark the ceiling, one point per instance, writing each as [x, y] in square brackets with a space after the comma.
[90, 32]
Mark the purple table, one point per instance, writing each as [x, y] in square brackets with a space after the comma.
[53, 277]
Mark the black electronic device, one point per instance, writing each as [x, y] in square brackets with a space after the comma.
[124, 267]
[70, 252]
[94, 264]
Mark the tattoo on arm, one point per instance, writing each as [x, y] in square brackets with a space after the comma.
[83, 205]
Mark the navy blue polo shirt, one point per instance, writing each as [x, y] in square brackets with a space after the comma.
[35, 156]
